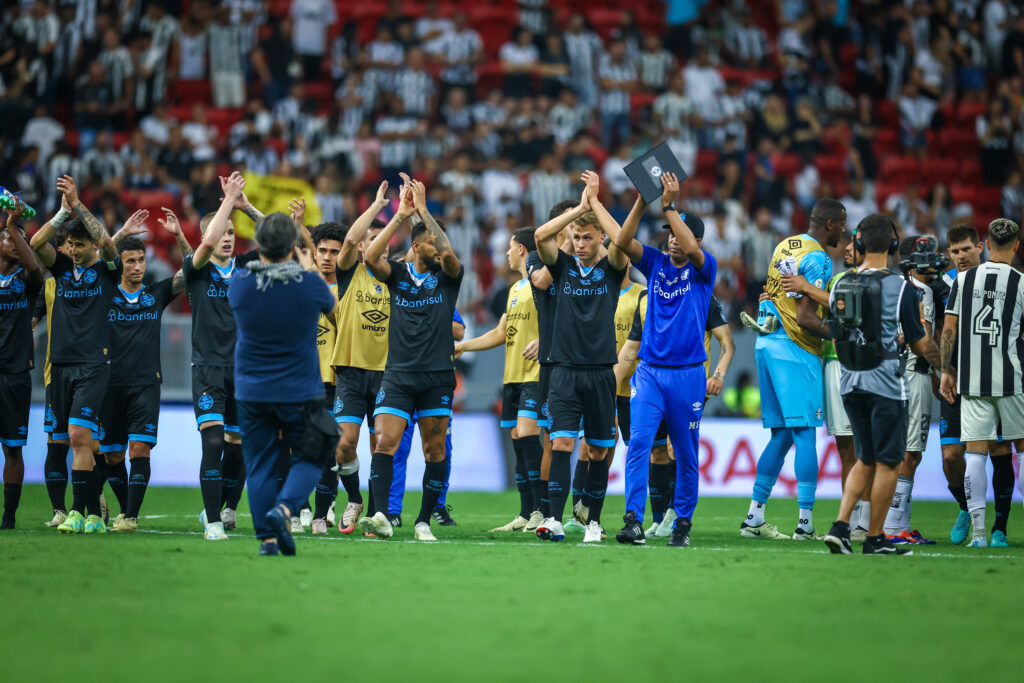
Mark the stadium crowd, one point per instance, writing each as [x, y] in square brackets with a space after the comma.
[913, 108]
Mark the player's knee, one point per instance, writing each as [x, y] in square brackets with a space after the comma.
[114, 458]
[346, 447]
[232, 437]
[659, 455]
[913, 459]
[12, 454]
[562, 443]
[387, 443]
[137, 449]
[952, 456]
[80, 437]
[434, 451]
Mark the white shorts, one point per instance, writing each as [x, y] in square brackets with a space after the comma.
[228, 89]
[919, 410]
[980, 416]
[836, 420]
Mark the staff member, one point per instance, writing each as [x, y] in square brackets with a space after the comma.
[277, 303]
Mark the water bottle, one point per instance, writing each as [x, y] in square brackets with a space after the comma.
[8, 202]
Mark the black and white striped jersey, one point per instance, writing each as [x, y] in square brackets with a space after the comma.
[988, 301]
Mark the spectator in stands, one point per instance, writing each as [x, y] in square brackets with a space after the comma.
[618, 79]
[806, 129]
[746, 45]
[757, 245]
[102, 164]
[519, 59]
[157, 126]
[201, 136]
[382, 58]
[431, 27]
[227, 63]
[969, 57]
[397, 133]
[674, 114]
[857, 203]
[656, 64]
[462, 184]
[93, 104]
[554, 66]
[903, 207]
[995, 21]
[312, 20]
[177, 162]
[773, 123]
[1012, 198]
[460, 51]
[703, 83]
[457, 114]
[42, 132]
[994, 131]
[584, 48]
[916, 113]
[191, 49]
[273, 60]
[679, 15]
[548, 185]
[501, 191]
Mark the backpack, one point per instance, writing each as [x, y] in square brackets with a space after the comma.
[855, 321]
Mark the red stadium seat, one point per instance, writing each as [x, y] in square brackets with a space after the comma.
[884, 190]
[888, 114]
[887, 140]
[786, 165]
[899, 169]
[941, 170]
[968, 112]
[964, 193]
[958, 143]
[604, 19]
[187, 93]
[831, 168]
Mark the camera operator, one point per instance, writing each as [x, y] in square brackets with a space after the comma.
[921, 265]
[867, 310]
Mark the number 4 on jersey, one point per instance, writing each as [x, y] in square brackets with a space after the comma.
[986, 324]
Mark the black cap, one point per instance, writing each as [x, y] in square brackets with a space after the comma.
[694, 223]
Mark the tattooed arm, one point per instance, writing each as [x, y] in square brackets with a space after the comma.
[242, 203]
[170, 223]
[726, 350]
[449, 259]
[99, 234]
[947, 387]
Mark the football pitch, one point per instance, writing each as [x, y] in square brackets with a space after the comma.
[164, 604]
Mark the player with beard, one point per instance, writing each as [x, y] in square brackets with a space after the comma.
[131, 407]
[21, 277]
[81, 340]
[419, 375]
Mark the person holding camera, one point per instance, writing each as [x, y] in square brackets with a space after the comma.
[868, 308]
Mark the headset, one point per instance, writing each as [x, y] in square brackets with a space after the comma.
[894, 245]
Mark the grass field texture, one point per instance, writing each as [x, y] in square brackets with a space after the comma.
[164, 604]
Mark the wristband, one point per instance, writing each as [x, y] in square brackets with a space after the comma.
[668, 207]
[60, 217]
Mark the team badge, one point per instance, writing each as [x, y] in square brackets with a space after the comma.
[430, 282]
[655, 171]
[380, 397]
[339, 405]
[50, 418]
[17, 285]
[943, 426]
[205, 402]
[89, 276]
[377, 288]
[597, 274]
[147, 300]
[632, 392]
[544, 409]
[403, 285]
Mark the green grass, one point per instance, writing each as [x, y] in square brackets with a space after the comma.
[165, 605]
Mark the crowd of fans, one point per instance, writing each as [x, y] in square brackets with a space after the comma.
[909, 106]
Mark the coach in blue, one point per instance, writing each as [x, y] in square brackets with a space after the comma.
[277, 303]
[670, 381]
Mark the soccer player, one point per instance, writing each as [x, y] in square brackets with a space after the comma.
[208, 272]
[520, 403]
[81, 340]
[420, 374]
[583, 353]
[328, 239]
[361, 322]
[131, 407]
[21, 277]
[789, 369]
[670, 383]
[983, 319]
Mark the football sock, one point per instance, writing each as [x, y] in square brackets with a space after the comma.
[533, 451]
[545, 498]
[325, 493]
[349, 472]
[209, 471]
[117, 477]
[976, 488]
[865, 515]
[906, 508]
[56, 466]
[806, 466]
[806, 520]
[897, 509]
[855, 514]
[597, 486]
[579, 481]
[770, 463]
[433, 484]
[99, 478]
[959, 495]
[382, 467]
[522, 483]
[558, 485]
[12, 496]
[137, 484]
[81, 488]
[661, 477]
[1002, 487]
[755, 515]
[232, 468]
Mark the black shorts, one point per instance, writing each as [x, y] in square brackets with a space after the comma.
[354, 395]
[949, 422]
[15, 402]
[622, 414]
[543, 389]
[879, 427]
[213, 396]
[429, 394]
[76, 394]
[587, 393]
[130, 414]
[518, 399]
[329, 390]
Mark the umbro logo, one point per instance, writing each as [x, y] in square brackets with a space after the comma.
[510, 331]
[321, 330]
[376, 317]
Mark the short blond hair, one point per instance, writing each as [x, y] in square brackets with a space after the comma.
[588, 218]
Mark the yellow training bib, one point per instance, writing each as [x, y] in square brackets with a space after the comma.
[520, 330]
[625, 311]
[361, 321]
[786, 261]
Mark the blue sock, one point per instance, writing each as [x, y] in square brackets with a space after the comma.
[806, 466]
[770, 463]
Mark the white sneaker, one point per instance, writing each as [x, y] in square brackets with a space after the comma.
[536, 519]
[764, 530]
[319, 527]
[422, 532]
[350, 517]
[574, 525]
[58, 518]
[378, 525]
[551, 530]
[230, 518]
[665, 528]
[978, 542]
[651, 530]
[593, 534]
[297, 527]
[802, 534]
[581, 513]
[859, 534]
[306, 518]
[215, 532]
[330, 515]
[517, 524]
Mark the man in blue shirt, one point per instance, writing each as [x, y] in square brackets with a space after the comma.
[670, 382]
[278, 390]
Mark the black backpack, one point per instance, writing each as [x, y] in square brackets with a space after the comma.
[855, 320]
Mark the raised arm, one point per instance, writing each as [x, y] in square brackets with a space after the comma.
[616, 257]
[449, 259]
[357, 232]
[66, 186]
[487, 340]
[547, 244]
[677, 222]
[627, 241]
[133, 227]
[297, 211]
[242, 202]
[170, 223]
[34, 269]
[233, 189]
[374, 256]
